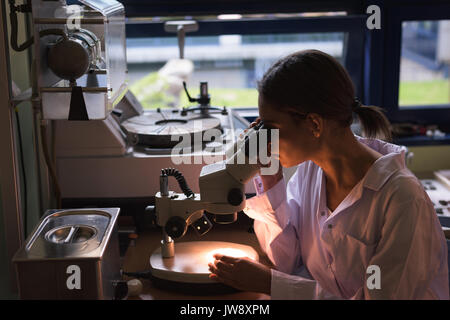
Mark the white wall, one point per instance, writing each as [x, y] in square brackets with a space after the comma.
[428, 159]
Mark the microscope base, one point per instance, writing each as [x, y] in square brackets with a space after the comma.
[190, 263]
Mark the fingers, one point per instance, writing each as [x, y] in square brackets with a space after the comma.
[223, 266]
[219, 271]
[254, 123]
[224, 258]
[220, 275]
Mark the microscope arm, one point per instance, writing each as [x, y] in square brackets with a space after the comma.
[222, 190]
[175, 212]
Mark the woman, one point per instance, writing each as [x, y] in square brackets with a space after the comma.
[353, 221]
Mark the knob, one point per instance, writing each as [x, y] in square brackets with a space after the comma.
[235, 197]
[175, 227]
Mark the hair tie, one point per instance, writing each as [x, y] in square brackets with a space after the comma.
[356, 104]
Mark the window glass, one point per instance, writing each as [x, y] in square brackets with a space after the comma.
[424, 65]
[231, 64]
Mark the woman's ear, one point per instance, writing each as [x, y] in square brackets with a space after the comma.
[316, 123]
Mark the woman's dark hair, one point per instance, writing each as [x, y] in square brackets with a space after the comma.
[313, 81]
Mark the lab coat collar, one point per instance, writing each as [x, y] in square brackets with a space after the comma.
[383, 168]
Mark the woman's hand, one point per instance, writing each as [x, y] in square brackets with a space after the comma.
[269, 181]
[241, 273]
[254, 123]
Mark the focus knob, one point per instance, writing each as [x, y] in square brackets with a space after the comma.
[175, 227]
[235, 197]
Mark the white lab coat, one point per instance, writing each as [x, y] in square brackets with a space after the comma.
[386, 221]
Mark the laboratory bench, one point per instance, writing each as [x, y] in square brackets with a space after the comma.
[137, 259]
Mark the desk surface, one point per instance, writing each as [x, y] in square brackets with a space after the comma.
[137, 259]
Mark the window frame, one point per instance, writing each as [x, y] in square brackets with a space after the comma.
[422, 114]
[139, 8]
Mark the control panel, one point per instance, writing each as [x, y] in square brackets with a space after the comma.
[439, 195]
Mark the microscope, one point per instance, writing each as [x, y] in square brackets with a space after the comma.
[221, 190]
[221, 194]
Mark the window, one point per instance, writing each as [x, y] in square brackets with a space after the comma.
[232, 52]
[231, 64]
[424, 63]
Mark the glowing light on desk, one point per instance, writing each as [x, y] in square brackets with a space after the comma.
[190, 263]
[231, 252]
[229, 16]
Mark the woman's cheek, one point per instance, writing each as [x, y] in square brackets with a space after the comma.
[292, 153]
[284, 152]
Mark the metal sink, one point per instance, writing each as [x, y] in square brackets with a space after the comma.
[72, 232]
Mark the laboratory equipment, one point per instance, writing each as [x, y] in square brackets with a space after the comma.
[71, 254]
[119, 157]
[222, 193]
[81, 71]
[181, 27]
[439, 195]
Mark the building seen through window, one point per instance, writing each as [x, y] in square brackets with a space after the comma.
[425, 63]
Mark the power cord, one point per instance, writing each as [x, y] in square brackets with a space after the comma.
[147, 274]
[24, 175]
[24, 8]
[14, 25]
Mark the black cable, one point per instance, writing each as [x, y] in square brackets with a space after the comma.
[22, 164]
[139, 274]
[172, 172]
[14, 26]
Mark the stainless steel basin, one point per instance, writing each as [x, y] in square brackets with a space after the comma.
[66, 233]
[71, 234]
[71, 254]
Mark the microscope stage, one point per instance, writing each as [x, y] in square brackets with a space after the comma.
[190, 264]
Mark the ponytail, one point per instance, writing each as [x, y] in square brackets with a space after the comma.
[373, 122]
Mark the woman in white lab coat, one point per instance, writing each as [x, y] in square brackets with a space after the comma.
[353, 221]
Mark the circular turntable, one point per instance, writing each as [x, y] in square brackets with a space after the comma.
[157, 129]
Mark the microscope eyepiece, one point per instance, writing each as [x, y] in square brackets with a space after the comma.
[257, 143]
